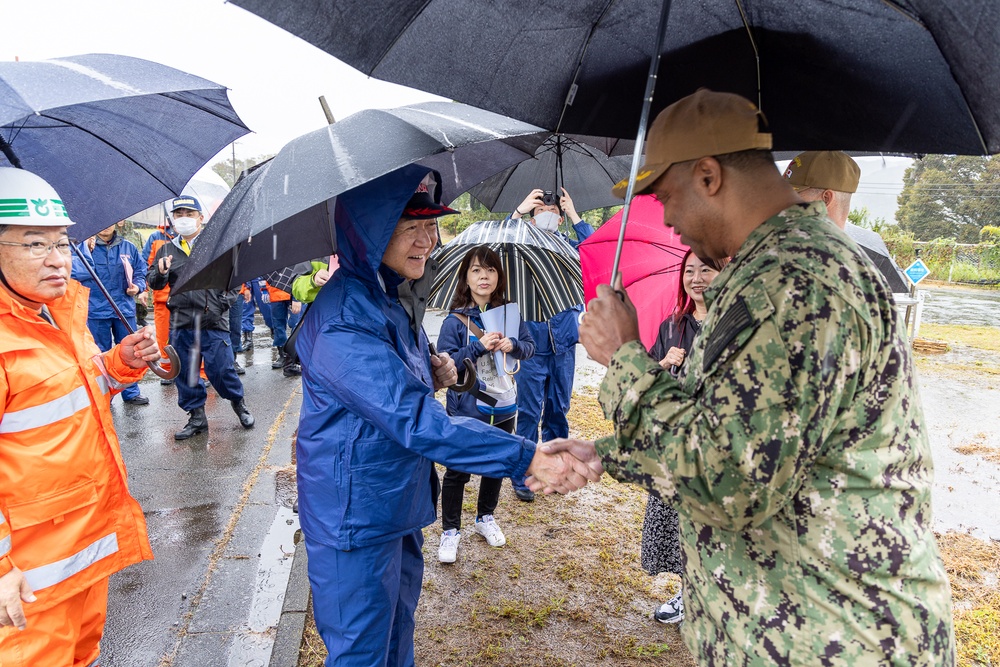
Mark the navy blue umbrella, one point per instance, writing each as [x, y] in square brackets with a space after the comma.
[112, 134]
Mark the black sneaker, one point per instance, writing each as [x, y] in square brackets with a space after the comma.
[525, 494]
[292, 370]
[138, 400]
[165, 382]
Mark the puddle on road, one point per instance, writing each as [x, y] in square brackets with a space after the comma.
[252, 644]
[960, 412]
[961, 306]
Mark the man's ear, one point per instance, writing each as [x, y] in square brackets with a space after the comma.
[708, 175]
[828, 196]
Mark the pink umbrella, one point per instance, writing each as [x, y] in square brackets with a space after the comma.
[650, 263]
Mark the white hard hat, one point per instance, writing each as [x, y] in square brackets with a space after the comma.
[26, 199]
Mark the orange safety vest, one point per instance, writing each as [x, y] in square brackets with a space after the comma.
[67, 519]
[275, 294]
[159, 295]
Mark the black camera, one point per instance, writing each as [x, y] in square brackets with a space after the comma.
[550, 198]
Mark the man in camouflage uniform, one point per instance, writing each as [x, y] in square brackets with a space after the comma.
[793, 442]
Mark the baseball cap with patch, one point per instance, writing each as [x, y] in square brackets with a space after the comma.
[827, 170]
[185, 201]
[422, 205]
[703, 124]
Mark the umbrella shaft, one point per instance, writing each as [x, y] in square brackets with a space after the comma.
[100, 286]
[647, 104]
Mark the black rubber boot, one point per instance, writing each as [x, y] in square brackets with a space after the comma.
[277, 359]
[197, 423]
[291, 367]
[241, 410]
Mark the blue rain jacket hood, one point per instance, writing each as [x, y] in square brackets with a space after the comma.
[370, 428]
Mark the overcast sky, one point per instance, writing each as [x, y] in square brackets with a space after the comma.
[273, 77]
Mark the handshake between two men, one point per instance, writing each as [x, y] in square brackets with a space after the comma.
[565, 465]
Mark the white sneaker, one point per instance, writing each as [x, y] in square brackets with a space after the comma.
[490, 529]
[671, 611]
[448, 549]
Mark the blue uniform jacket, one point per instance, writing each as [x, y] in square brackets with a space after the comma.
[370, 427]
[456, 339]
[106, 259]
[562, 332]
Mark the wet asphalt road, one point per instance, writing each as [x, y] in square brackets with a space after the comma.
[209, 502]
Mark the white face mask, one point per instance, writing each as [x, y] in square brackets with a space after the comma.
[186, 226]
[547, 221]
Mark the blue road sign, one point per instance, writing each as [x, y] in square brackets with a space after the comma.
[917, 271]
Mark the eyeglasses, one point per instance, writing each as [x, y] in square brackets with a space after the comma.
[41, 249]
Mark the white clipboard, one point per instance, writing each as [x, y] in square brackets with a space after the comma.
[505, 319]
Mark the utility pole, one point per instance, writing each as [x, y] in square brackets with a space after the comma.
[234, 163]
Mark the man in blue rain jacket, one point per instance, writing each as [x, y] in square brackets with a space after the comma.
[370, 428]
[107, 255]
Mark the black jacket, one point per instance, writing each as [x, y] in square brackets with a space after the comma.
[211, 305]
[675, 334]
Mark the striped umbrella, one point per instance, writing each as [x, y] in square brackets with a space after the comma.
[542, 269]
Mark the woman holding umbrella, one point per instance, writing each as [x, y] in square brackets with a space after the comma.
[661, 546]
[481, 286]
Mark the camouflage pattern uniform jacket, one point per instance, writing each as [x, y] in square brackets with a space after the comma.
[793, 445]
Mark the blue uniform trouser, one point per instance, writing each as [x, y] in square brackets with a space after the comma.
[544, 388]
[364, 600]
[235, 324]
[217, 353]
[107, 332]
[256, 302]
[283, 319]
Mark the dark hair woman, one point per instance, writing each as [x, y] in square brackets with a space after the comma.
[481, 286]
[661, 547]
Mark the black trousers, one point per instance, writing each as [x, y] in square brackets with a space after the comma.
[453, 491]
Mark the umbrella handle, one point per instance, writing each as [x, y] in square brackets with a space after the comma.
[175, 364]
[471, 380]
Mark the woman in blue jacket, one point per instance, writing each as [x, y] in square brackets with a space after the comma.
[481, 286]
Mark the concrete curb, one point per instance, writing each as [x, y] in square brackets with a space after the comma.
[285, 652]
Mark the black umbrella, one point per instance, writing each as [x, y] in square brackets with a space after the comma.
[280, 214]
[567, 161]
[542, 269]
[915, 76]
[878, 252]
[112, 134]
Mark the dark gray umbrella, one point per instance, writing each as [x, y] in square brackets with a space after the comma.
[878, 252]
[112, 134]
[572, 162]
[280, 214]
[915, 76]
[542, 269]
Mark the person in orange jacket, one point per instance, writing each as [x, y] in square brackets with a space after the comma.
[161, 314]
[285, 313]
[67, 520]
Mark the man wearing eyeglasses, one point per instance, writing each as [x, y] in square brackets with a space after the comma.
[67, 520]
